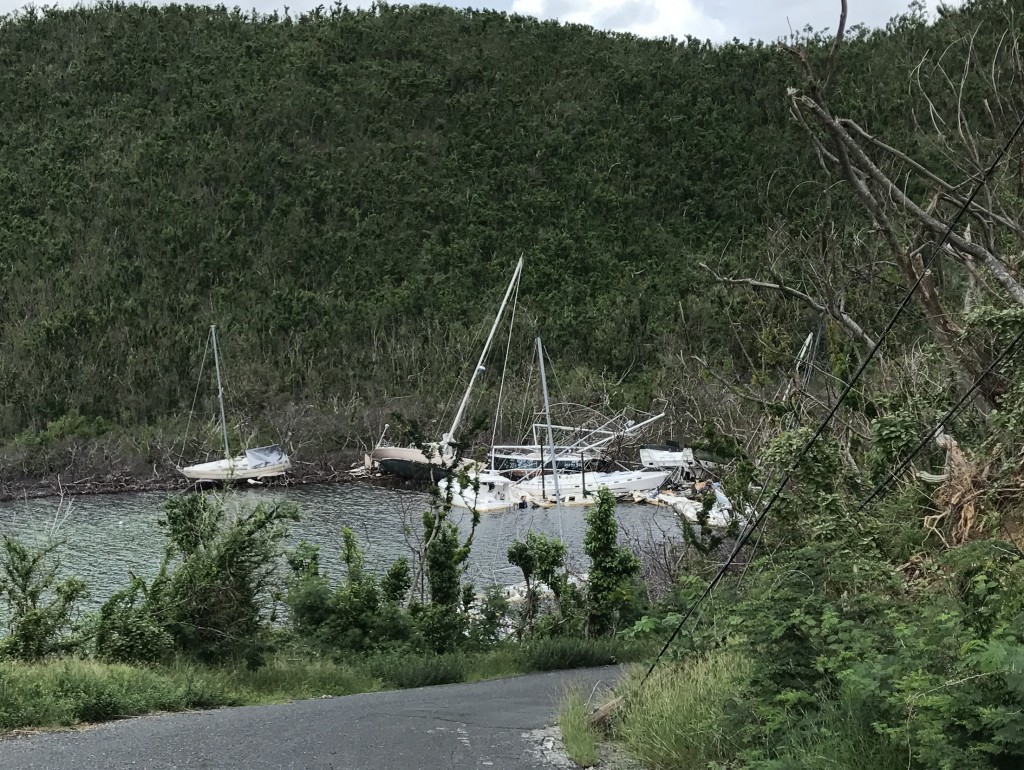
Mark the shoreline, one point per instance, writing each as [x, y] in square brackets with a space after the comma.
[124, 484]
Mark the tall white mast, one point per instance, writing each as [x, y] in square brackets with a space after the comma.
[220, 393]
[450, 435]
[551, 435]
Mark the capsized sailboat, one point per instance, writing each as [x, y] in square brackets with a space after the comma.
[720, 515]
[256, 464]
[434, 461]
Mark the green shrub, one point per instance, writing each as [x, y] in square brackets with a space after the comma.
[407, 671]
[443, 627]
[542, 562]
[128, 629]
[359, 615]
[611, 589]
[39, 607]
[213, 590]
[488, 625]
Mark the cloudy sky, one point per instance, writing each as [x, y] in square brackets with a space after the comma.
[717, 20]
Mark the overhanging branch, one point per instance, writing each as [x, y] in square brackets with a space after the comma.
[841, 317]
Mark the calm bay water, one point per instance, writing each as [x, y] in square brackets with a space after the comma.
[104, 537]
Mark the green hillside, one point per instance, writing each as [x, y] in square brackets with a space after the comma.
[345, 195]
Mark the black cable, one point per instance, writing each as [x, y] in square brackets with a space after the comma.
[745, 535]
[953, 411]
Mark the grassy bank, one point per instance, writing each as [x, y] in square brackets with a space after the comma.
[72, 691]
[695, 714]
[680, 720]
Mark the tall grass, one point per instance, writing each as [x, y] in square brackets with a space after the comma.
[499, 662]
[579, 738]
[284, 679]
[685, 718]
[408, 671]
[67, 692]
[679, 720]
[71, 691]
[563, 652]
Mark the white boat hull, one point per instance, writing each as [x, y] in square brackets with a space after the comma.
[235, 469]
[409, 454]
[719, 517]
[497, 493]
[494, 492]
[260, 463]
[578, 485]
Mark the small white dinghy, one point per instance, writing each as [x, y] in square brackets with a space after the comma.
[253, 465]
[486, 492]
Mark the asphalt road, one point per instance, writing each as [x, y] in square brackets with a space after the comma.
[495, 725]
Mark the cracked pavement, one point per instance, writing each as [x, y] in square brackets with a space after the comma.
[493, 725]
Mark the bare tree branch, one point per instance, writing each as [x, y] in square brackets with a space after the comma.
[938, 227]
[947, 188]
[841, 317]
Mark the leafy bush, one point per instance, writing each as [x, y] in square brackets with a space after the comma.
[129, 630]
[39, 607]
[444, 627]
[611, 588]
[213, 590]
[211, 599]
[359, 615]
[488, 625]
[542, 561]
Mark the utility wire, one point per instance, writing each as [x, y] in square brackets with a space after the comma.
[760, 517]
[893, 476]
[744, 535]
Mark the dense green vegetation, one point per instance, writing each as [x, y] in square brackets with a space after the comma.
[882, 638]
[346, 192]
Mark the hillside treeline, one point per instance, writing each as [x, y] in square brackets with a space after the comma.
[345, 195]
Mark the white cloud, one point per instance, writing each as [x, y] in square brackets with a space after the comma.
[648, 18]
